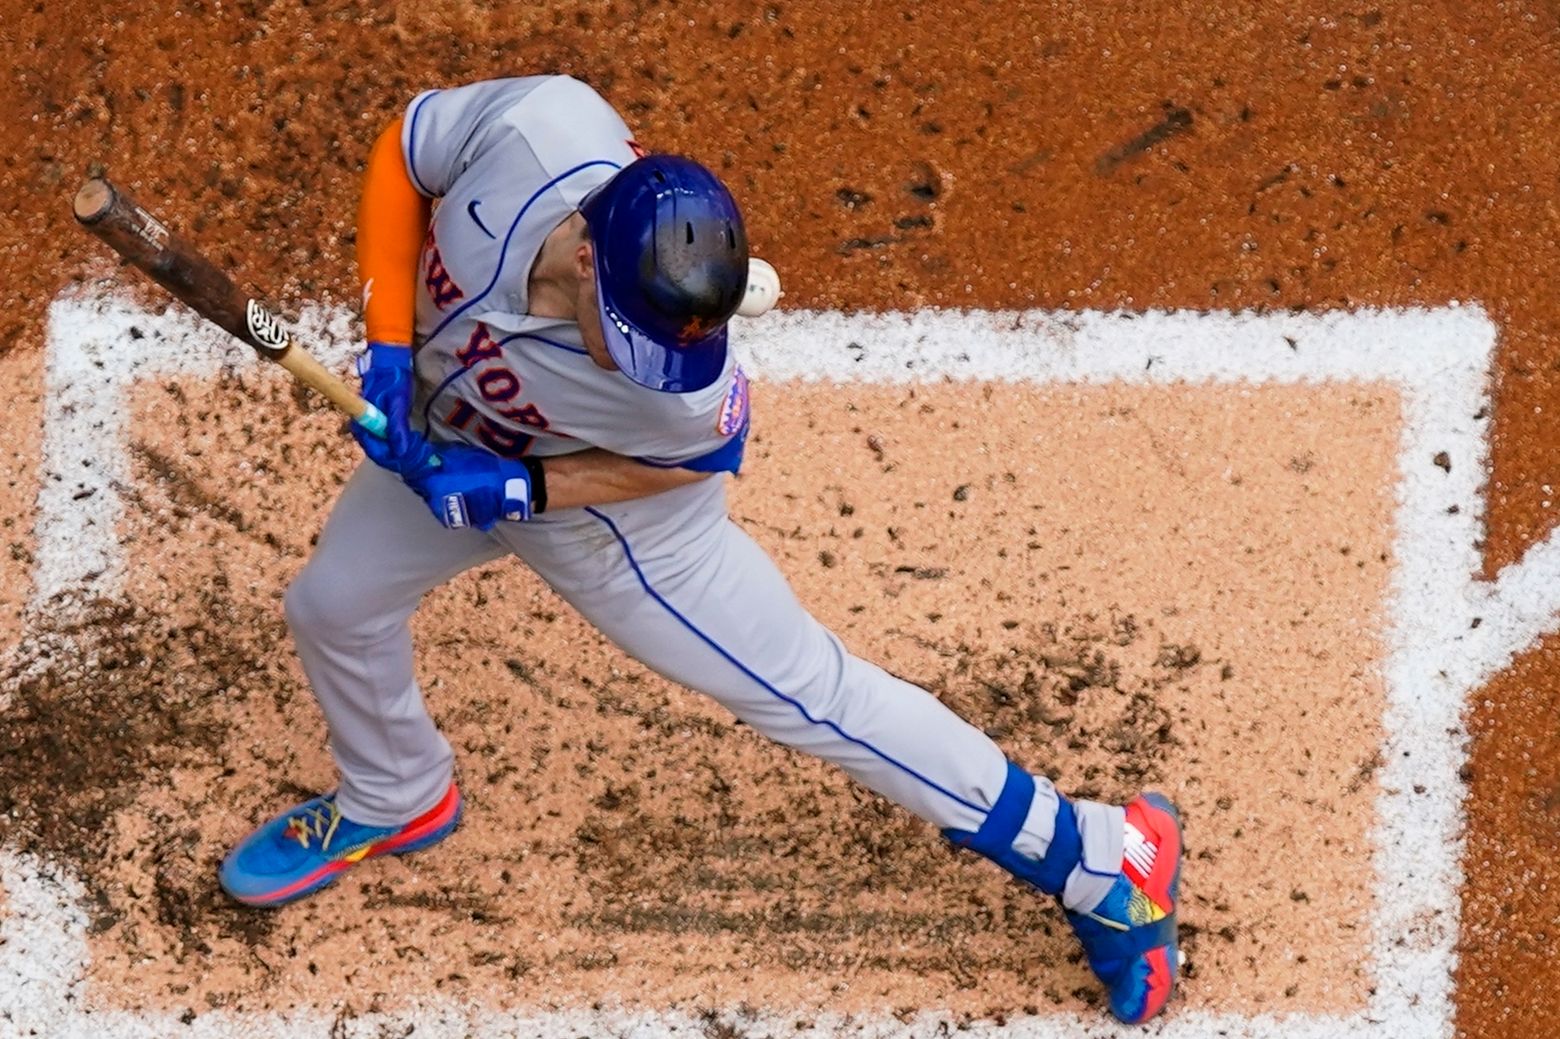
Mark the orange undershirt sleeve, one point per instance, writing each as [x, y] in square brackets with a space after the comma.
[392, 222]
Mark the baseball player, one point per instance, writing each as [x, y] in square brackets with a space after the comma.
[546, 308]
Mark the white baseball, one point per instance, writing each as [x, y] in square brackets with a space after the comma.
[763, 288]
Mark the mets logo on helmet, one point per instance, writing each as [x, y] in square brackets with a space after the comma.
[734, 409]
[696, 328]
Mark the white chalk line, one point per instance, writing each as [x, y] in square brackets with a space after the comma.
[1435, 656]
[98, 346]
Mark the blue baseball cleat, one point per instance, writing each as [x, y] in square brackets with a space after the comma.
[1130, 937]
[309, 846]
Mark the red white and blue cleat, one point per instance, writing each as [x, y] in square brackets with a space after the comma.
[311, 845]
[1130, 937]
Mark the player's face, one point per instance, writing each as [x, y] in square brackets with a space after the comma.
[588, 309]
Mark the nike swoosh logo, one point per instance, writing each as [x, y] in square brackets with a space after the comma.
[471, 210]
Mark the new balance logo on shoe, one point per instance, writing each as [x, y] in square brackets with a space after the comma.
[1137, 851]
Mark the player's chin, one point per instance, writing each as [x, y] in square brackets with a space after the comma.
[596, 349]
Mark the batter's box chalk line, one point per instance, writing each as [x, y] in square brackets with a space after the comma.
[100, 343]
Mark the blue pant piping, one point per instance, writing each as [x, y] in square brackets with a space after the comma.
[802, 710]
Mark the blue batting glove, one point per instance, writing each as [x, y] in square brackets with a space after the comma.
[386, 369]
[474, 488]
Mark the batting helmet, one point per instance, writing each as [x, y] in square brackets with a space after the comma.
[671, 267]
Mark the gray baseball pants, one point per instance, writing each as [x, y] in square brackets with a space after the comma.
[678, 586]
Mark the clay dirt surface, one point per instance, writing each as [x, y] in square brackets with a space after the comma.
[889, 156]
[627, 841]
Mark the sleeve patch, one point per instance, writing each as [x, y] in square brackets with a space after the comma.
[734, 410]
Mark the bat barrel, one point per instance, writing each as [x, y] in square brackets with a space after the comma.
[184, 270]
[127, 228]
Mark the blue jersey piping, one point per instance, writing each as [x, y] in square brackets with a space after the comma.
[543, 339]
[411, 140]
[503, 251]
[457, 373]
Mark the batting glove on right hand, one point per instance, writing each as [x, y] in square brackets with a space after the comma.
[474, 488]
[386, 369]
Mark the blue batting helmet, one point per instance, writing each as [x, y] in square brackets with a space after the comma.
[671, 267]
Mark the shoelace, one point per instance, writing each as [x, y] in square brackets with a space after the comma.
[318, 822]
[1114, 925]
[1139, 851]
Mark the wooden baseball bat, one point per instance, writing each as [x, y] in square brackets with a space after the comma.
[183, 270]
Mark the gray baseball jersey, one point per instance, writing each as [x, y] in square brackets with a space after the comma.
[669, 578]
[509, 160]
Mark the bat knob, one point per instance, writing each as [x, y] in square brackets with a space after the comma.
[93, 200]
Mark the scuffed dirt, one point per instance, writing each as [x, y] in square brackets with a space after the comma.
[693, 860]
[109, 701]
[1095, 685]
[626, 841]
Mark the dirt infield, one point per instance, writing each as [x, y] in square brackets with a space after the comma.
[620, 827]
[21, 425]
[890, 157]
[1240, 644]
[605, 792]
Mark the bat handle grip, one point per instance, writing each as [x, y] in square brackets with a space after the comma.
[373, 420]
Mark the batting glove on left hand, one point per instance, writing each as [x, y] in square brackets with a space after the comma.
[386, 369]
[474, 488]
